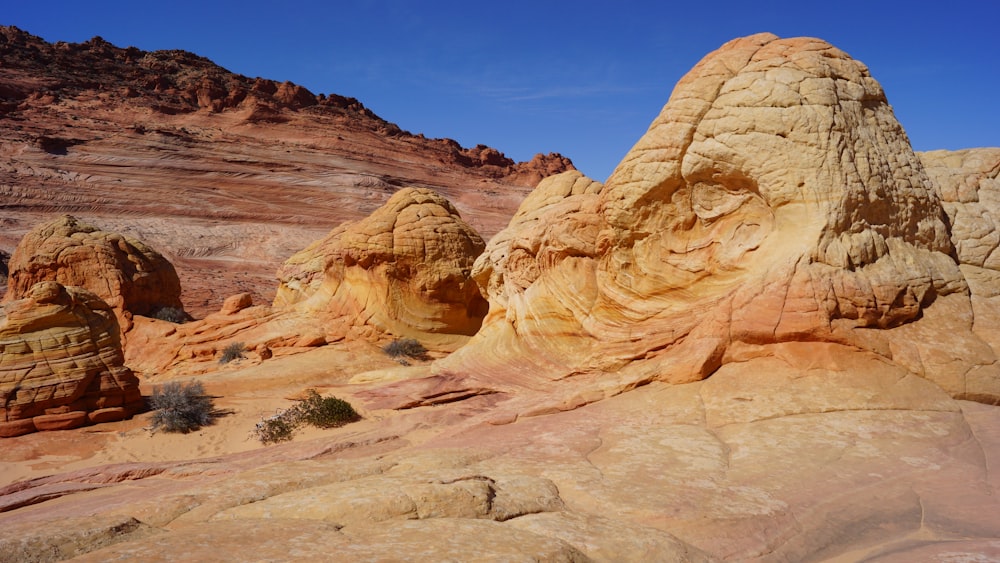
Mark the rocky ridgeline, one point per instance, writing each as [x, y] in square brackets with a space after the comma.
[178, 82]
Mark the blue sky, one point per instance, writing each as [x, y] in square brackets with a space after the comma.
[580, 78]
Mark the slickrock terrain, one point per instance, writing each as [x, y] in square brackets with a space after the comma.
[62, 363]
[226, 175]
[769, 336]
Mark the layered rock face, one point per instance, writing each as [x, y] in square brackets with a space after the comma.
[404, 270]
[226, 175]
[775, 198]
[62, 363]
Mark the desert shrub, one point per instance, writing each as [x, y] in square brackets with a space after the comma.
[171, 314]
[325, 412]
[180, 408]
[232, 352]
[277, 428]
[322, 412]
[408, 347]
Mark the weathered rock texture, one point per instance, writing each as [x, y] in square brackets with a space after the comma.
[124, 272]
[226, 175]
[775, 198]
[61, 363]
[404, 271]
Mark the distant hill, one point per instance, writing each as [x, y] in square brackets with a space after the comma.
[220, 171]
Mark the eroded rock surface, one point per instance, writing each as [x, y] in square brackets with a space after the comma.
[404, 270]
[124, 272]
[62, 363]
[775, 198]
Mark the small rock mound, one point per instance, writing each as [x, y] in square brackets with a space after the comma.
[62, 362]
[127, 274]
[405, 270]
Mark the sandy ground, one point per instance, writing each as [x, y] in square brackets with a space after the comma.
[245, 392]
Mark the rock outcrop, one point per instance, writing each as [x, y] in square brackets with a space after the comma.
[126, 273]
[228, 175]
[402, 271]
[62, 363]
[775, 198]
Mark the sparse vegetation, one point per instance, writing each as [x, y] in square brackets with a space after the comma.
[232, 352]
[171, 314]
[322, 412]
[405, 347]
[325, 412]
[276, 428]
[181, 408]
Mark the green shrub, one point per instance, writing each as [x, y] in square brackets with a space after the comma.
[277, 428]
[322, 412]
[408, 347]
[174, 315]
[181, 408]
[232, 352]
[325, 412]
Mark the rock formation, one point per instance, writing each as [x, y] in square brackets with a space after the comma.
[404, 271]
[127, 274]
[62, 364]
[775, 198]
[227, 175]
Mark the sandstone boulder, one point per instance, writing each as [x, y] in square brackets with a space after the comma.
[404, 271]
[775, 198]
[62, 363]
[124, 272]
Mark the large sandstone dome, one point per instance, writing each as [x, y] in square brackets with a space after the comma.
[775, 198]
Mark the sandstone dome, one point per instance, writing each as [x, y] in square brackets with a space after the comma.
[775, 198]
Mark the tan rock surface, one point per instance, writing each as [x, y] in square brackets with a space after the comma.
[124, 272]
[61, 363]
[404, 270]
[226, 175]
[778, 458]
[775, 198]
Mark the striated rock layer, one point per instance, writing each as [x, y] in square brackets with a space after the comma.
[62, 364]
[226, 175]
[775, 198]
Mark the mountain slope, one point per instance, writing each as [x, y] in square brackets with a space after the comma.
[226, 175]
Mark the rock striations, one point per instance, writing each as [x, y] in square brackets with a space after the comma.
[774, 199]
[62, 364]
[220, 172]
[126, 273]
[404, 271]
